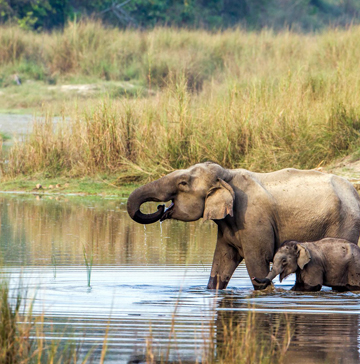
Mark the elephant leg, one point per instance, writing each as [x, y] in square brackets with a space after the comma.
[257, 268]
[226, 259]
[306, 288]
[341, 288]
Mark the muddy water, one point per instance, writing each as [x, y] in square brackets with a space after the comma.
[147, 286]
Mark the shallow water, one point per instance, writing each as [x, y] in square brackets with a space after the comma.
[148, 286]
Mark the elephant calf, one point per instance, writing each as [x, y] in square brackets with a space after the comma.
[330, 262]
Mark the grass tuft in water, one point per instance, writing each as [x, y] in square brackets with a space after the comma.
[22, 336]
[14, 338]
[88, 263]
[53, 263]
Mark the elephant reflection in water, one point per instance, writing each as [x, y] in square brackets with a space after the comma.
[315, 338]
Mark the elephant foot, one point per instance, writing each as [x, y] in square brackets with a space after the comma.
[217, 283]
[306, 288]
[262, 283]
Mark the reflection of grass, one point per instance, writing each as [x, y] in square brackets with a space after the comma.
[242, 343]
[88, 264]
[231, 341]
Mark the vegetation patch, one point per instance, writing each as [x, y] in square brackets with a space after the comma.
[65, 186]
[261, 101]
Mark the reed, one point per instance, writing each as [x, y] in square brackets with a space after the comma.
[88, 263]
[23, 339]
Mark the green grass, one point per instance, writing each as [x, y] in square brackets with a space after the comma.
[37, 95]
[84, 186]
[88, 260]
[261, 101]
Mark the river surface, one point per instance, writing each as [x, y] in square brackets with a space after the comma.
[147, 286]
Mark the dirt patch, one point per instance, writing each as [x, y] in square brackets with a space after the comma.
[82, 89]
[92, 87]
[347, 167]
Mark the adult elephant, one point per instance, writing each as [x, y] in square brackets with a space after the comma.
[255, 212]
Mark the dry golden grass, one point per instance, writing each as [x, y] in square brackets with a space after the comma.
[22, 338]
[260, 101]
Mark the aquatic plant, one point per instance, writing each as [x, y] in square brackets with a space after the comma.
[22, 337]
[88, 263]
[53, 263]
[14, 339]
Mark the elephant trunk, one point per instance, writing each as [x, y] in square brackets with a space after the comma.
[272, 274]
[154, 191]
[267, 280]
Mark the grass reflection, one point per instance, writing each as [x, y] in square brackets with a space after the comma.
[45, 231]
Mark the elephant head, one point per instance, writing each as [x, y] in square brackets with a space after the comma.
[199, 191]
[291, 256]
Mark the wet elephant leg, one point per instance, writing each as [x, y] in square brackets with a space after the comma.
[257, 267]
[226, 259]
[306, 287]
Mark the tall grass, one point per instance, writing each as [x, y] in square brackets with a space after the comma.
[22, 339]
[88, 48]
[261, 101]
[147, 137]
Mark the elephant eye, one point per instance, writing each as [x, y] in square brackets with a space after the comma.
[183, 183]
[283, 260]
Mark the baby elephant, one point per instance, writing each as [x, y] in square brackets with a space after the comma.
[330, 262]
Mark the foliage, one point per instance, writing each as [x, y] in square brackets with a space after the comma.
[35, 14]
[253, 14]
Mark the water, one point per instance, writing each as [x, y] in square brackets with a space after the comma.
[148, 284]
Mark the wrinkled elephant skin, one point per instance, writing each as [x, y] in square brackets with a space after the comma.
[328, 262]
[255, 212]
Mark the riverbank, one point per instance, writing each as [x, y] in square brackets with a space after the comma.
[68, 186]
[347, 167]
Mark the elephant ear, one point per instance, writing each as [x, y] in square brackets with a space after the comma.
[304, 256]
[219, 201]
